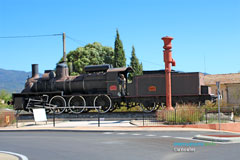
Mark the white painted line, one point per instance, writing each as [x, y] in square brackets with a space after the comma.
[107, 133]
[188, 138]
[15, 154]
[136, 134]
[121, 133]
[165, 136]
[150, 135]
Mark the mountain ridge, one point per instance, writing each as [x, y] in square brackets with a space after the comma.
[13, 80]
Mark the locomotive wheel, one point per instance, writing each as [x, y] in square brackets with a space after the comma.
[77, 101]
[147, 108]
[59, 101]
[104, 101]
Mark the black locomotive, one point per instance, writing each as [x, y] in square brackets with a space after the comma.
[107, 87]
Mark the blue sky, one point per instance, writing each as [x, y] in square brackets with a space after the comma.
[202, 29]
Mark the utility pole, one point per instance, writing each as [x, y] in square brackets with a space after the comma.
[64, 48]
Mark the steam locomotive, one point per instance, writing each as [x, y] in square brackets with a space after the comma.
[110, 88]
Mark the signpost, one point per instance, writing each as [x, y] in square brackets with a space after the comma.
[218, 94]
[40, 115]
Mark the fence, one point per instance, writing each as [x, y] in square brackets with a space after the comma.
[55, 108]
[192, 115]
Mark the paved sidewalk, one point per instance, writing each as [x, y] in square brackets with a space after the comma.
[91, 126]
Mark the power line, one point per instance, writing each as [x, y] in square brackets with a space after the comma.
[76, 40]
[83, 43]
[32, 36]
[60, 34]
[149, 62]
[146, 61]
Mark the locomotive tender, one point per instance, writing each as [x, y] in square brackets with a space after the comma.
[107, 87]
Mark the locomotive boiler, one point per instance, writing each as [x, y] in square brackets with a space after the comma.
[102, 85]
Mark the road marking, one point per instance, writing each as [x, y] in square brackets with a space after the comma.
[15, 154]
[136, 134]
[107, 133]
[121, 133]
[150, 135]
[165, 136]
[188, 138]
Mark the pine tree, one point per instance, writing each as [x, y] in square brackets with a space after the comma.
[137, 67]
[119, 55]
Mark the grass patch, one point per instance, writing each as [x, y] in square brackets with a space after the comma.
[183, 114]
[4, 106]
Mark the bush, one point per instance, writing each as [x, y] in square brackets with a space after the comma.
[4, 95]
[3, 106]
[213, 107]
[125, 109]
[184, 114]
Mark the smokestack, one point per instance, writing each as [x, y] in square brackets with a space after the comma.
[35, 71]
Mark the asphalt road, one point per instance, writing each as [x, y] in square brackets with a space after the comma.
[112, 146]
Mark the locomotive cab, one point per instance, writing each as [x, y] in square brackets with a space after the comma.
[117, 81]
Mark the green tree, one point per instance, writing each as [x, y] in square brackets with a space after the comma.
[91, 54]
[119, 55]
[137, 67]
[4, 95]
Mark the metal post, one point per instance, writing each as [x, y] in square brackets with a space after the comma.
[175, 110]
[143, 118]
[218, 92]
[17, 119]
[53, 116]
[206, 114]
[99, 117]
[233, 115]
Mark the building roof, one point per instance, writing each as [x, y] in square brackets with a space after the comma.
[222, 78]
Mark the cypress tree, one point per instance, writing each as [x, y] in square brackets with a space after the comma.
[119, 55]
[137, 67]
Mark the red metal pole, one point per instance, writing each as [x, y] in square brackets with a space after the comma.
[168, 60]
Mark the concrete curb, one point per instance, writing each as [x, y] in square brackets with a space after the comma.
[66, 130]
[4, 155]
[217, 139]
[106, 126]
[103, 129]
